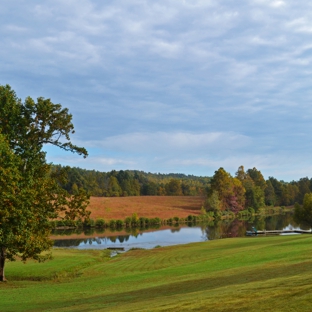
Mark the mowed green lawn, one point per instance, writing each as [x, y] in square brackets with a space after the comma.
[239, 274]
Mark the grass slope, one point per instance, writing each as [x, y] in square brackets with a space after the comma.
[241, 274]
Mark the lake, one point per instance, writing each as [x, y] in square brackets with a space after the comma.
[146, 240]
[164, 236]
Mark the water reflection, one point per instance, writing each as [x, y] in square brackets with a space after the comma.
[151, 239]
[141, 238]
[238, 228]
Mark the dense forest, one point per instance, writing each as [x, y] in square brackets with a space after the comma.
[247, 189]
[133, 183]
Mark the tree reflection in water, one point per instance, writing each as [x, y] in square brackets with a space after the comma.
[237, 228]
[209, 231]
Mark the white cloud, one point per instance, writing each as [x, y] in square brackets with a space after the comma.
[111, 161]
[166, 49]
[197, 83]
[277, 3]
[15, 28]
[160, 143]
[271, 3]
[301, 25]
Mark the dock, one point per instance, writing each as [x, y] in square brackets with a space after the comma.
[116, 248]
[265, 232]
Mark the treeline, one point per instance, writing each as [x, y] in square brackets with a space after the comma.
[133, 183]
[129, 222]
[249, 190]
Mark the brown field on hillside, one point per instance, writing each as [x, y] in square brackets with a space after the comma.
[163, 207]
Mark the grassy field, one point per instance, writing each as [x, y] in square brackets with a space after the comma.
[241, 274]
[164, 207]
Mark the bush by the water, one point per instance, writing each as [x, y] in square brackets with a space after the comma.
[129, 222]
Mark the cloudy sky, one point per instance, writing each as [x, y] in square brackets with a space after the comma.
[183, 86]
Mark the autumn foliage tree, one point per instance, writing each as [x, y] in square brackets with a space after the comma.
[230, 192]
[255, 185]
[30, 192]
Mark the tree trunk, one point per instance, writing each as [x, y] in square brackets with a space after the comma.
[2, 262]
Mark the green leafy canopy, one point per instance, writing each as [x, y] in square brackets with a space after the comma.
[30, 192]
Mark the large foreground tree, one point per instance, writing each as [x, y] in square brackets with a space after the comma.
[30, 192]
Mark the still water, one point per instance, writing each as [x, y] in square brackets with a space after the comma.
[182, 234]
[146, 240]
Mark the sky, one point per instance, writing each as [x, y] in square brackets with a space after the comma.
[170, 86]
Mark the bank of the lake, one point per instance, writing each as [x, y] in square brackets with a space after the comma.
[239, 274]
[164, 235]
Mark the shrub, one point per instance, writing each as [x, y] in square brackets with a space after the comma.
[112, 224]
[70, 223]
[53, 224]
[88, 223]
[189, 218]
[128, 221]
[142, 221]
[119, 223]
[60, 223]
[100, 223]
[79, 223]
[157, 220]
[134, 219]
